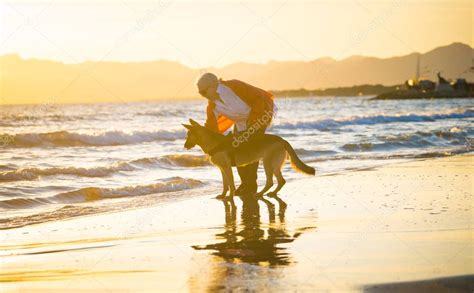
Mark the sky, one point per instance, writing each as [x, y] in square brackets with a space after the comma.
[204, 34]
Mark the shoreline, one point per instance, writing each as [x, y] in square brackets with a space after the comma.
[119, 204]
[406, 221]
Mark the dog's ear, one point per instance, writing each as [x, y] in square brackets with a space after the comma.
[194, 123]
[187, 126]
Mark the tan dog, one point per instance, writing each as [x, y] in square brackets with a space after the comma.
[224, 154]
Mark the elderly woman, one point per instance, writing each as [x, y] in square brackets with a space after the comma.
[248, 108]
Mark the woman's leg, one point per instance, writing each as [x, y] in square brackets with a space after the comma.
[248, 173]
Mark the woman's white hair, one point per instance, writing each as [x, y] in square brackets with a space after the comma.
[206, 80]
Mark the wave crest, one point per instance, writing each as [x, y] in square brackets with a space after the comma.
[441, 138]
[186, 160]
[173, 160]
[328, 124]
[72, 139]
[34, 173]
[88, 194]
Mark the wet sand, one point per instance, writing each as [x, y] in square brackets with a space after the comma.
[448, 284]
[352, 231]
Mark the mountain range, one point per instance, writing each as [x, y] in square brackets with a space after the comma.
[45, 81]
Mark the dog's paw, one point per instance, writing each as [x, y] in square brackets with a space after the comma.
[220, 196]
[271, 194]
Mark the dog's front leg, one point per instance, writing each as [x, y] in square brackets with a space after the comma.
[230, 179]
[225, 186]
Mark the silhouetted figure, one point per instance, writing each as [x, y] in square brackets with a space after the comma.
[443, 84]
[442, 80]
[234, 102]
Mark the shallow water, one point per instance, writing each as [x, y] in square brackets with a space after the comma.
[57, 157]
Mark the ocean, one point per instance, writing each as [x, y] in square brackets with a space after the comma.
[60, 161]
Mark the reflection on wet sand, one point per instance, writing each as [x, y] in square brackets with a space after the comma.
[250, 242]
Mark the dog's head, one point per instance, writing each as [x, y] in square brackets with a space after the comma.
[192, 137]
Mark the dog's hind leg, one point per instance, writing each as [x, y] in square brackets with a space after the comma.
[278, 164]
[267, 165]
[281, 182]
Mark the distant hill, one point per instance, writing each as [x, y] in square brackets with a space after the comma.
[40, 81]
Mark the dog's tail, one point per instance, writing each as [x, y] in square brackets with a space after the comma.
[296, 163]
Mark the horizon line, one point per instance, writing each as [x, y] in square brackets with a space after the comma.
[229, 64]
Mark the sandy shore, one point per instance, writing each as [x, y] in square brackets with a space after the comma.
[348, 232]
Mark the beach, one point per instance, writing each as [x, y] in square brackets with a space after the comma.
[121, 122]
[352, 230]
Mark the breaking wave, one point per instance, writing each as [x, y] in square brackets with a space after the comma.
[95, 193]
[328, 124]
[34, 173]
[71, 139]
[313, 153]
[173, 160]
[420, 139]
[185, 160]
[389, 156]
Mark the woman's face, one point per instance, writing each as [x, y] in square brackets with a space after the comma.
[209, 92]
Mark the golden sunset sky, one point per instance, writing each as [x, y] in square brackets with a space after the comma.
[216, 33]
